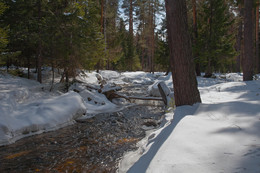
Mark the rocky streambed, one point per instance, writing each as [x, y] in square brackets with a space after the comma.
[91, 145]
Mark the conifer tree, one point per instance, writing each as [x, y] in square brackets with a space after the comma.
[215, 37]
[239, 36]
[182, 64]
[257, 57]
[247, 62]
[146, 14]
[3, 31]
[129, 9]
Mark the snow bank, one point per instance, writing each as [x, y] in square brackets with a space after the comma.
[88, 77]
[95, 102]
[27, 109]
[138, 77]
[144, 146]
[40, 116]
[219, 135]
[109, 75]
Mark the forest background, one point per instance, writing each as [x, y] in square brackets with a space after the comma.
[123, 35]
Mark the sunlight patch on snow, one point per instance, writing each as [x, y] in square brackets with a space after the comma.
[219, 135]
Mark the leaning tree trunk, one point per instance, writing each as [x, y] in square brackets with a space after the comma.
[248, 42]
[182, 64]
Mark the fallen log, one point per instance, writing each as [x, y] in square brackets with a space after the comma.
[111, 91]
[145, 98]
[112, 95]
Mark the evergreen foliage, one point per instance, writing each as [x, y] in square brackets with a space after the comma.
[92, 34]
[3, 30]
[69, 33]
[215, 45]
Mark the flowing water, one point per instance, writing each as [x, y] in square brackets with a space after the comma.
[91, 145]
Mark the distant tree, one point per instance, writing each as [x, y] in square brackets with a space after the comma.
[247, 63]
[3, 31]
[129, 8]
[195, 37]
[215, 36]
[239, 37]
[182, 64]
[146, 12]
[162, 57]
[62, 34]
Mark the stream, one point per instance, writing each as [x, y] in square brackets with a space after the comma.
[92, 145]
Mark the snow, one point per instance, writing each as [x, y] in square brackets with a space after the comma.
[94, 101]
[25, 109]
[153, 89]
[219, 135]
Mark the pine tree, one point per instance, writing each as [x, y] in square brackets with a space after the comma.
[112, 31]
[3, 30]
[146, 14]
[195, 37]
[215, 36]
[239, 37]
[65, 33]
[129, 8]
[184, 79]
[162, 57]
[247, 62]
[3, 34]
[257, 60]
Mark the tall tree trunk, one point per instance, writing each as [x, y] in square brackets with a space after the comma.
[195, 37]
[143, 67]
[28, 66]
[105, 31]
[239, 40]
[153, 38]
[182, 64]
[208, 72]
[248, 42]
[98, 65]
[257, 39]
[131, 37]
[39, 53]
[131, 30]
[102, 16]
[150, 36]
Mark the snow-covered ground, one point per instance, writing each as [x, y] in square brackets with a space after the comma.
[220, 135]
[28, 107]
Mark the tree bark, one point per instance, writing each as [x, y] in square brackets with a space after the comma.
[39, 55]
[248, 42]
[182, 64]
[131, 30]
[239, 40]
[257, 66]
